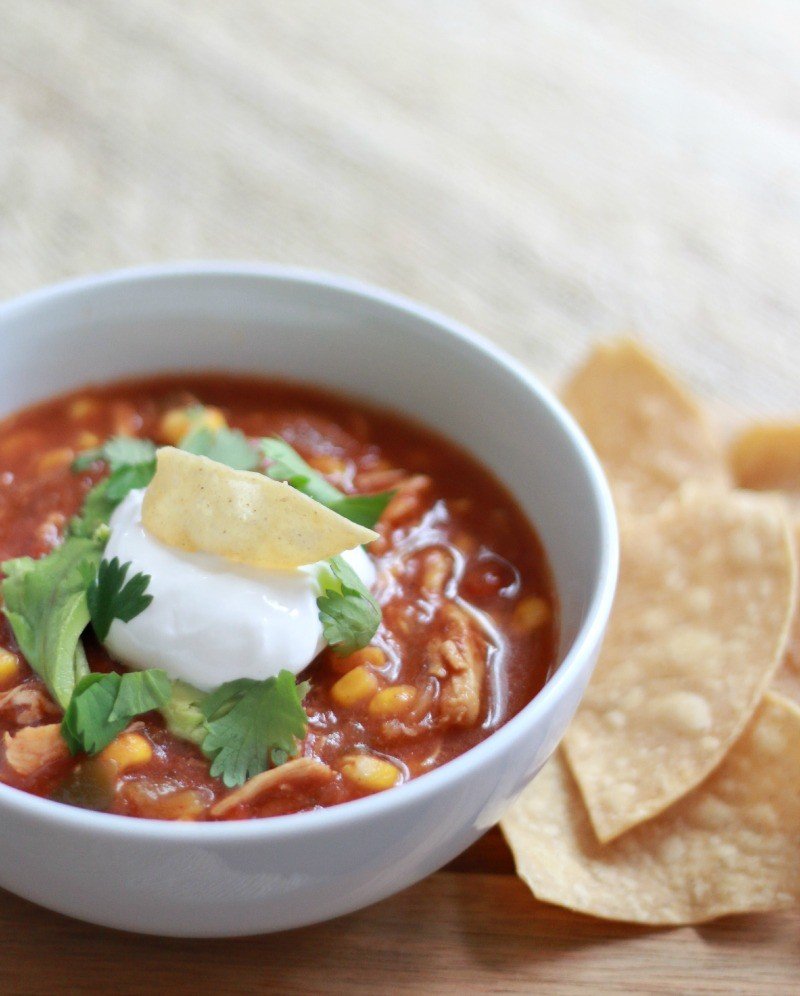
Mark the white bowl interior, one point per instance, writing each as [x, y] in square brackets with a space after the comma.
[331, 333]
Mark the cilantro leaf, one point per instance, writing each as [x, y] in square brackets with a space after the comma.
[110, 597]
[96, 511]
[128, 451]
[363, 509]
[85, 459]
[141, 691]
[120, 451]
[102, 705]
[349, 614]
[253, 725]
[286, 464]
[131, 462]
[45, 603]
[125, 479]
[228, 446]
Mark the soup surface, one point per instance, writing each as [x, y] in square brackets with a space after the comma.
[469, 616]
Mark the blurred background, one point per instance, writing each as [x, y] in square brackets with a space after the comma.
[547, 172]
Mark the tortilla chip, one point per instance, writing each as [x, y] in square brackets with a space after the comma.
[787, 677]
[197, 504]
[730, 846]
[766, 457]
[648, 432]
[699, 625]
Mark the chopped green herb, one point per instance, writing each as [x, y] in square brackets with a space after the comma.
[228, 446]
[45, 603]
[286, 464]
[110, 597]
[94, 515]
[253, 725]
[119, 452]
[363, 509]
[125, 479]
[102, 705]
[349, 614]
[131, 462]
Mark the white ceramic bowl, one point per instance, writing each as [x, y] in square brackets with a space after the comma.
[210, 880]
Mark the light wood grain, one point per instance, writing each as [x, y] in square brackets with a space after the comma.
[453, 933]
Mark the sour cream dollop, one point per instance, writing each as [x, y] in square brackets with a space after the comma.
[212, 620]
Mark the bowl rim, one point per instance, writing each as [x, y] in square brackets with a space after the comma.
[418, 789]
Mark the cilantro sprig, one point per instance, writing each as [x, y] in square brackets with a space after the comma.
[45, 602]
[349, 613]
[111, 597]
[244, 727]
[102, 705]
[228, 446]
[253, 725]
[131, 463]
[286, 464]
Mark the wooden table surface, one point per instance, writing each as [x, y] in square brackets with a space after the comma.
[473, 927]
[547, 173]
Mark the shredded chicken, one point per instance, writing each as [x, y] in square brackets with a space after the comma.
[379, 480]
[407, 502]
[459, 663]
[34, 747]
[29, 704]
[437, 569]
[300, 773]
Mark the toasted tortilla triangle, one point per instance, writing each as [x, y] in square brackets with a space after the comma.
[649, 433]
[199, 505]
[699, 626]
[730, 846]
[766, 457]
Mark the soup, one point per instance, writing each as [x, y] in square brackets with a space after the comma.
[273, 690]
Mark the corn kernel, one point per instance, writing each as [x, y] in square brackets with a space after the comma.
[128, 751]
[82, 407]
[354, 687]
[177, 422]
[393, 701]
[88, 440]
[530, 615]
[369, 774]
[55, 459]
[9, 666]
[373, 656]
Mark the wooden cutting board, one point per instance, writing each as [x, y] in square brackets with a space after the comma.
[473, 927]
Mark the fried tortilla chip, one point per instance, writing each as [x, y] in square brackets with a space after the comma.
[699, 625]
[787, 677]
[197, 504]
[766, 457]
[730, 846]
[648, 432]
